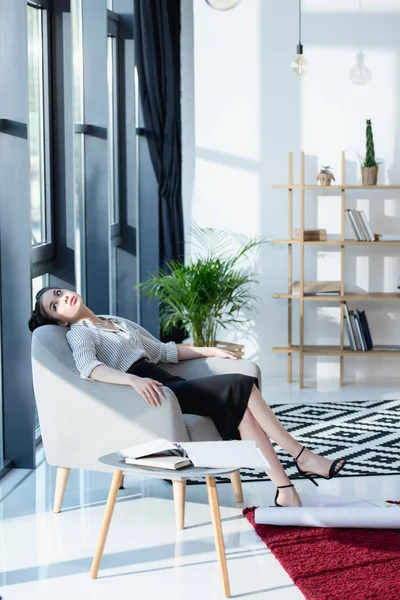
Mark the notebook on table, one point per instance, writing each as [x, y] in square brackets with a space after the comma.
[163, 454]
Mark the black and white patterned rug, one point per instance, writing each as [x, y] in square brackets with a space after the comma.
[366, 434]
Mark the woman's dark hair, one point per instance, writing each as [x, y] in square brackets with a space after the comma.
[39, 317]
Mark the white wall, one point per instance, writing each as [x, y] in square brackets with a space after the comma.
[243, 110]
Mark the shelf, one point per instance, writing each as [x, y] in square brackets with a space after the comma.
[335, 351]
[366, 297]
[339, 190]
[340, 243]
[336, 187]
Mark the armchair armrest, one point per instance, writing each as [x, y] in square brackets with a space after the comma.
[203, 367]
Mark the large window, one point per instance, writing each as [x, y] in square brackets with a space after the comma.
[39, 125]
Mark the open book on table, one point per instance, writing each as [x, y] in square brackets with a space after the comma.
[163, 454]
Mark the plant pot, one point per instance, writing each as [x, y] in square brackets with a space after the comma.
[237, 349]
[325, 179]
[369, 175]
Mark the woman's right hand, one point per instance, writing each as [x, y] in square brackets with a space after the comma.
[148, 388]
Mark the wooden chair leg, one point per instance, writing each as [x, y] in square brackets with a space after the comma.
[61, 484]
[179, 487]
[237, 486]
[122, 484]
[218, 537]
[112, 496]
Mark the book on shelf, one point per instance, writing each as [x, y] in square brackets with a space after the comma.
[357, 329]
[354, 224]
[384, 348]
[360, 331]
[163, 454]
[367, 226]
[360, 224]
[318, 288]
[387, 237]
[311, 235]
[349, 328]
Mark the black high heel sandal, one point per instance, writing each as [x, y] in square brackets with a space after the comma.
[311, 476]
[280, 487]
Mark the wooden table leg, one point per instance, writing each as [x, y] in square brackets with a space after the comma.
[112, 496]
[218, 537]
[179, 487]
[237, 486]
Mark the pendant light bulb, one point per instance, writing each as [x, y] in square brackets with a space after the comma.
[300, 64]
[222, 4]
[360, 75]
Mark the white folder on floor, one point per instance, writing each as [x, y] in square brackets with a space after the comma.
[331, 511]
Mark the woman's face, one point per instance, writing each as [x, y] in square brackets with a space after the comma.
[62, 305]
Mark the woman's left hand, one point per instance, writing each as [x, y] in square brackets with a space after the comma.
[220, 353]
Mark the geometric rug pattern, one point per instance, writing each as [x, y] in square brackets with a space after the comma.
[365, 433]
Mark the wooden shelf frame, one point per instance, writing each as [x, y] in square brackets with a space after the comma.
[349, 297]
[338, 242]
[336, 187]
[335, 351]
[341, 350]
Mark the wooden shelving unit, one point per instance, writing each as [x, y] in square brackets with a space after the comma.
[301, 349]
[336, 242]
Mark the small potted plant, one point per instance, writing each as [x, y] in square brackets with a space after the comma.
[369, 166]
[325, 176]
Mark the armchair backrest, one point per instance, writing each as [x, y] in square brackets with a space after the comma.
[81, 420]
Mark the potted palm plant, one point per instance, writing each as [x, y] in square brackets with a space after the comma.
[209, 291]
[369, 166]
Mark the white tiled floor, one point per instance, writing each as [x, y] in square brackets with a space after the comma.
[46, 556]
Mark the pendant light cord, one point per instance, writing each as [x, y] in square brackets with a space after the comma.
[300, 22]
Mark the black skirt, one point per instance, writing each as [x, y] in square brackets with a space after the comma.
[223, 398]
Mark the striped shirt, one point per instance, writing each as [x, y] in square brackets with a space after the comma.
[94, 345]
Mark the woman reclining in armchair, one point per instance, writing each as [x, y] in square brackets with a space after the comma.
[112, 350]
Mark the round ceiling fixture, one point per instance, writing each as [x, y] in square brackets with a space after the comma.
[223, 4]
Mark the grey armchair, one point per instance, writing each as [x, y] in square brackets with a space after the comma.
[82, 420]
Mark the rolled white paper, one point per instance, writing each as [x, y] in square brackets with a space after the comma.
[344, 516]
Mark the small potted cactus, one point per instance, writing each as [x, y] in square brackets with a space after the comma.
[369, 166]
[325, 176]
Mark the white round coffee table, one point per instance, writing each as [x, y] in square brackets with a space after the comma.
[179, 478]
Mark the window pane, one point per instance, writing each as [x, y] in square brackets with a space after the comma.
[79, 148]
[36, 125]
[113, 172]
[112, 128]
[37, 284]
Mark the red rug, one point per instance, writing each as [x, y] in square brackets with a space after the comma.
[336, 564]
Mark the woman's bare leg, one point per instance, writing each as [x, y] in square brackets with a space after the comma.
[274, 429]
[250, 430]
